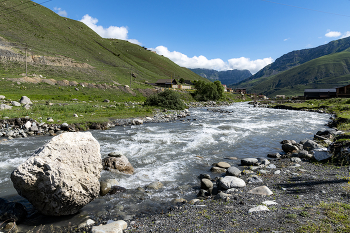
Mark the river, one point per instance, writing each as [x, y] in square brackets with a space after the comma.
[173, 153]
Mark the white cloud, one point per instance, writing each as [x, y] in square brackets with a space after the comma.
[346, 34]
[60, 12]
[110, 32]
[333, 34]
[286, 39]
[216, 64]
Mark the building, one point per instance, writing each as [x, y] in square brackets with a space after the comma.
[320, 93]
[343, 92]
[241, 90]
[168, 83]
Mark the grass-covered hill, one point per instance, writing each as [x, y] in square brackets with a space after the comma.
[299, 57]
[327, 71]
[63, 49]
[227, 77]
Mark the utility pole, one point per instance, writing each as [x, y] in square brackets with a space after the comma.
[130, 75]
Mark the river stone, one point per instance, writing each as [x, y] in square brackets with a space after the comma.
[274, 155]
[249, 162]
[116, 154]
[229, 182]
[310, 145]
[206, 184]
[223, 165]
[289, 148]
[262, 190]
[271, 166]
[304, 154]
[111, 227]
[222, 196]
[233, 171]
[25, 100]
[28, 124]
[62, 176]
[106, 186]
[270, 203]
[217, 170]
[258, 209]
[263, 161]
[255, 179]
[295, 160]
[12, 210]
[155, 185]
[137, 122]
[120, 164]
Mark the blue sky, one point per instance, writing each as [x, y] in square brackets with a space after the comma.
[215, 34]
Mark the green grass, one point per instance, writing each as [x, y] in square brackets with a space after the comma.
[335, 219]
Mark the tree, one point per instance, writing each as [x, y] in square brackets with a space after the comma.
[208, 91]
[182, 80]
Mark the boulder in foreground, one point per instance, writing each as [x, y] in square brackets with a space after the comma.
[62, 176]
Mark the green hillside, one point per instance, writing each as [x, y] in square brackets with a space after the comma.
[299, 57]
[328, 71]
[49, 35]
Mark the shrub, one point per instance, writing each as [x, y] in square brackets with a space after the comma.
[166, 99]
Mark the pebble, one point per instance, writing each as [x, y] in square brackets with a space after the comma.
[258, 209]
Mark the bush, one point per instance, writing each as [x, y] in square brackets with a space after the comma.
[208, 91]
[167, 99]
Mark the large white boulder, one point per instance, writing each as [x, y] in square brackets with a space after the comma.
[62, 176]
[229, 182]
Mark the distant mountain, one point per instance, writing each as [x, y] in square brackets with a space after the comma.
[326, 66]
[299, 57]
[225, 77]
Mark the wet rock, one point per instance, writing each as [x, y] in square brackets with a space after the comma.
[106, 186]
[137, 122]
[304, 154]
[217, 170]
[289, 148]
[271, 166]
[269, 203]
[12, 210]
[233, 171]
[274, 155]
[62, 176]
[155, 185]
[250, 162]
[120, 164]
[116, 154]
[179, 200]
[263, 161]
[310, 145]
[231, 182]
[86, 223]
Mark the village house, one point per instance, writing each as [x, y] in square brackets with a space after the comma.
[343, 92]
[320, 93]
[241, 91]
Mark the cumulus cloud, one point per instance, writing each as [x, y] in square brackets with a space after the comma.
[60, 12]
[215, 64]
[333, 34]
[346, 34]
[110, 32]
[286, 39]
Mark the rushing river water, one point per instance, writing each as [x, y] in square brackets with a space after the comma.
[173, 153]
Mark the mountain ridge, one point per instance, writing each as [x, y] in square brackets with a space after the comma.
[227, 77]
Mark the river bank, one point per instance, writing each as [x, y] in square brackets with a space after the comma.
[21, 127]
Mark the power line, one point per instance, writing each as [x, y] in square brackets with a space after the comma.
[326, 12]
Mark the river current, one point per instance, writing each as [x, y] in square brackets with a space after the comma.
[173, 153]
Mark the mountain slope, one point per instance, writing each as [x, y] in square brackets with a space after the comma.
[296, 58]
[324, 72]
[225, 77]
[49, 35]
